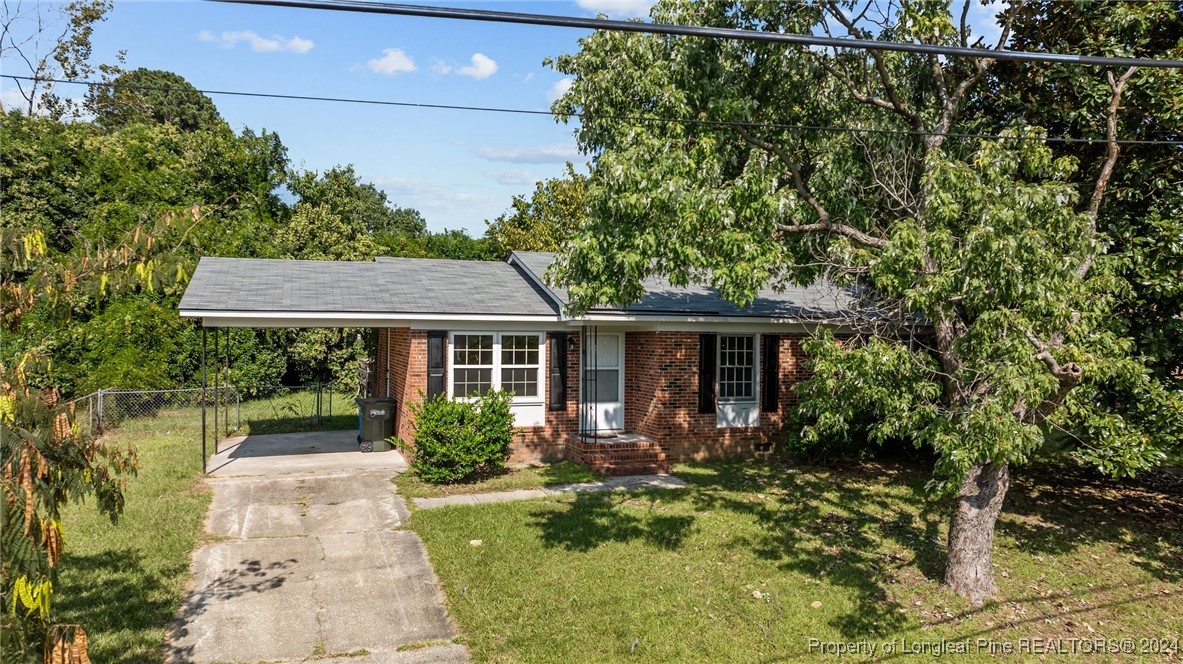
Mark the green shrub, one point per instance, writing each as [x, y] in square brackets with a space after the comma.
[457, 440]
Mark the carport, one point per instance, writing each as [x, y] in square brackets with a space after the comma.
[226, 293]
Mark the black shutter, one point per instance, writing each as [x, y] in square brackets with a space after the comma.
[437, 362]
[557, 380]
[706, 372]
[770, 382]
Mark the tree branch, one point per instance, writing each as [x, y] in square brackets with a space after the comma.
[841, 229]
[1094, 209]
[825, 223]
[896, 103]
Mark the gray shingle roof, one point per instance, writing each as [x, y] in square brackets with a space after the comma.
[816, 302]
[389, 285]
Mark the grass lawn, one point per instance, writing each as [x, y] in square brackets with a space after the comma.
[531, 477]
[123, 582]
[754, 560]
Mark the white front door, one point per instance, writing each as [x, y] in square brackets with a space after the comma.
[602, 387]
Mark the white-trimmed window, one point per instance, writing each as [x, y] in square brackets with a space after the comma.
[472, 364]
[737, 368]
[483, 361]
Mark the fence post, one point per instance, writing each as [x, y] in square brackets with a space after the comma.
[237, 409]
[318, 403]
[99, 419]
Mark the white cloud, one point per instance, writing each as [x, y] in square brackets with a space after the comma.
[13, 100]
[257, 43]
[513, 176]
[423, 195]
[393, 61]
[542, 154]
[482, 67]
[528, 77]
[618, 8]
[559, 89]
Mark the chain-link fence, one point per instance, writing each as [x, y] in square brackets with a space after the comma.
[229, 409]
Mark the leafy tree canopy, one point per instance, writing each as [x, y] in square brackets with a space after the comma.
[152, 96]
[1142, 217]
[542, 222]
[360, 204]
[982, 292]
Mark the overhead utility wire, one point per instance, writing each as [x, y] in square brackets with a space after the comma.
[618, 118]
[705, 31]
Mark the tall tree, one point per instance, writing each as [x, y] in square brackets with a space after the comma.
[152, 96]
[1142, 216]
[545, 220]
[981, 288]
[357, 203]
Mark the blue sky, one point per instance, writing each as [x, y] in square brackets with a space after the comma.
[458, 168]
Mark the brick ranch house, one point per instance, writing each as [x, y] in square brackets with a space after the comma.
[680, 374]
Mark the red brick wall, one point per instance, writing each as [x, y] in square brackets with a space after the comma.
[549, 442]
[661, 397]
[404, 351]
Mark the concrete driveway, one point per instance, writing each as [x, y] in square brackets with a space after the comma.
[309, 562]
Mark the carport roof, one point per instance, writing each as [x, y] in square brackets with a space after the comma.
[391, 286]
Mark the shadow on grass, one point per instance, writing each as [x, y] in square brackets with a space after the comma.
[824, 525]
[593, 519]
[109, 593]
[866, 527]
[1056, 510]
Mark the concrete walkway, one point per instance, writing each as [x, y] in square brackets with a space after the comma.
[310, 562]
[631, 483]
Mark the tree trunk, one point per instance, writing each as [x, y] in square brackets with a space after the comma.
[970, 570]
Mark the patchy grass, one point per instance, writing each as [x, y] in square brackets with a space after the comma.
[411, 485]
[754, 560]
[123, 582]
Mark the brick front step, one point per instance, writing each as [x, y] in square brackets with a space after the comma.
[630, 456]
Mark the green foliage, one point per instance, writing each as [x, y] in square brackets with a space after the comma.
[458, 440]
[358, 204]
[145, 96]
[543, 222]
[315, 232]
[1143, 216]
[977, 263]
[44, 465]
[454, 245]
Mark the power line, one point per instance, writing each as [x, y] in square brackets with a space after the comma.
[705, 31]
[616, 118]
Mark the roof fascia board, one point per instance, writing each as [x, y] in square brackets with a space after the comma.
[210, 318]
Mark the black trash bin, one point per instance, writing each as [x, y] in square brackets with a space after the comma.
[375, 423]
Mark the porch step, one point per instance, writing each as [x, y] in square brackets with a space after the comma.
[628, 455]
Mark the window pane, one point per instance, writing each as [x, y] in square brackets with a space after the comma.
[519, 349]
[472, 349]
[522, 382]
[737, 367]
[471, 382]
[605, 352]
[602, 386]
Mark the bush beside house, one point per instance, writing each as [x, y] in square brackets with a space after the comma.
[458, 440]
